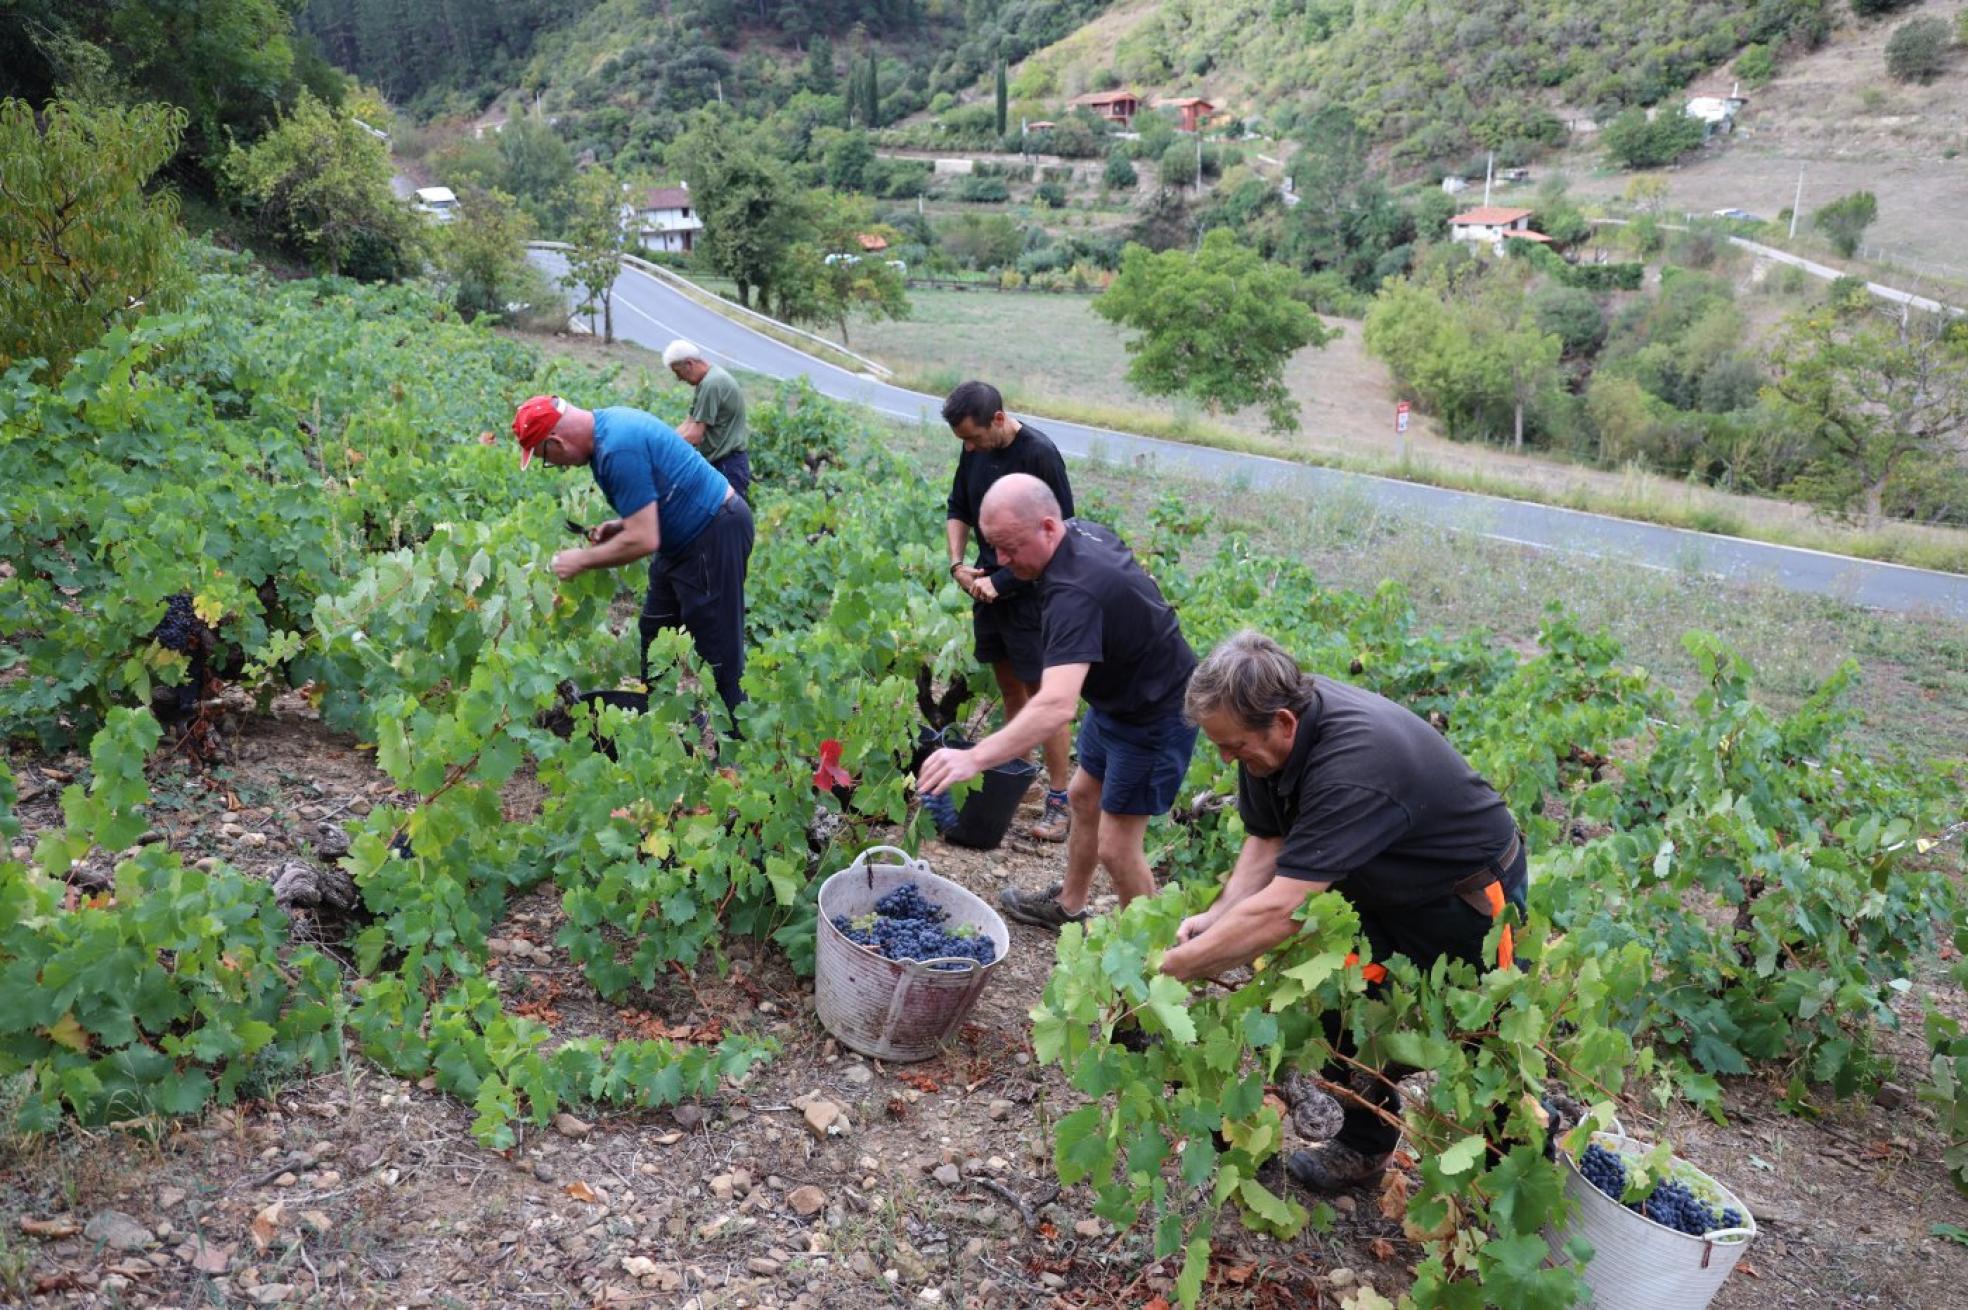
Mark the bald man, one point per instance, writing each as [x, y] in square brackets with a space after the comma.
[1111, 638]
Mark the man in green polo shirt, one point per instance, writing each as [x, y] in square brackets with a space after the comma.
[716, 425]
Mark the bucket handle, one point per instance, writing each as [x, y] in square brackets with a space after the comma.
[907, 861]
[1720, 1236]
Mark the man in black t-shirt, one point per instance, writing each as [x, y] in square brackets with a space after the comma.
[1005, 612]
[1109, 636]
[1343, 790]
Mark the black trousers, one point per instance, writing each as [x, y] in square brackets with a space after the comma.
[702, 591]
[737, 470]
[1424, 933]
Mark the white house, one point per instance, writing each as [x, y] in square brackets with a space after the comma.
[438, 202]
[1492, 225]
[1717, 113]
[669, 220]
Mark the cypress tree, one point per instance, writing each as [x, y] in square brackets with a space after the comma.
[1004, 101]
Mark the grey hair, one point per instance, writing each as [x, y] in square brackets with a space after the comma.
[1251, 676]
[680, 350]
[1026, 498]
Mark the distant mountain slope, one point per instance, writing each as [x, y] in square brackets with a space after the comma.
[1433, 79]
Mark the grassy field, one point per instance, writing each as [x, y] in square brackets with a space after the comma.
[1913, 697]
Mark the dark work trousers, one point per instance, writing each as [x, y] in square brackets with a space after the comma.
[702, 591]
[1423, 933]
[737, 470]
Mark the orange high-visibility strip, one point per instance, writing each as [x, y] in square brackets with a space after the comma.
[1507, 942]
[1373, 973]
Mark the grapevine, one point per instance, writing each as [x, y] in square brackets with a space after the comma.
[1717, 889]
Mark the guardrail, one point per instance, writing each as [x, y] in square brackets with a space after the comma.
[684, 284]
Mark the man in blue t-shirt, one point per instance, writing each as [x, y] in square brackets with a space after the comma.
[669, 505]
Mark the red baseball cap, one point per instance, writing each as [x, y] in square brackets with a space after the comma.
[533, 421]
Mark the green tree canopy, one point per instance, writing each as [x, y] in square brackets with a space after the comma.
[596, 231]
[322, 184]
[1634, 141]
[829, 276]
[1881, 390]
[752, 211]
[484, 252]
[84, 247]
[1218, 325]
[1845, 220]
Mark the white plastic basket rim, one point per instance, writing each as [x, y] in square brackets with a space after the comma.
[1626, 1146]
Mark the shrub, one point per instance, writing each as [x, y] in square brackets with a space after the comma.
[1052, 194]
[1918, 50]
[1873, 8]
[1756, 65]
[1635, 142]
[983, 190]
[1571, 314]
[1845, 220]
[1177, 167]
[1119, 172]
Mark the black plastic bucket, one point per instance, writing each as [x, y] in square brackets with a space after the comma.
[986, 814]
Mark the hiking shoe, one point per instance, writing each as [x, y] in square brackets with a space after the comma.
[1057, 820]
[1040, 909]
[1334, 1168]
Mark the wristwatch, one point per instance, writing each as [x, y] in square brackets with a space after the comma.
[954, 566]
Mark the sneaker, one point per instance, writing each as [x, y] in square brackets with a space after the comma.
[1057, 820]
[1334, 1168]
[1040, 909]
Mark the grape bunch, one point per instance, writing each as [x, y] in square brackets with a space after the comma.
[1671, 1204]
[906, 926]
[180, 629]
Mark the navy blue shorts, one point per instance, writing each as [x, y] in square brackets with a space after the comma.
[1139, 766]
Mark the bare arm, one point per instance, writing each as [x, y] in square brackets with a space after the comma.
[692, 430]
[1243, 931]
[639, 538]
[1047, 712]
[956, 534]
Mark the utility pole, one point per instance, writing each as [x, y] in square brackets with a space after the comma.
[1199, 163]
[1797, 203]
[1489, 171]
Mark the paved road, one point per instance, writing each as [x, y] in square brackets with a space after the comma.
[652, 314]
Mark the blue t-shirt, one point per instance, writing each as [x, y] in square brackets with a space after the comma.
[638, 458]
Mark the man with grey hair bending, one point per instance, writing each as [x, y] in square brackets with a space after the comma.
[1343, 790]
[716, 425]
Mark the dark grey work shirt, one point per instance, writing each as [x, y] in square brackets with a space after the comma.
[1374, 799]
[1031, 451]
[1102, 610]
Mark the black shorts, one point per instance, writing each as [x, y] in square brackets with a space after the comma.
[1010, 631]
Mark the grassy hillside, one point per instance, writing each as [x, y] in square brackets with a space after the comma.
[1436, 81]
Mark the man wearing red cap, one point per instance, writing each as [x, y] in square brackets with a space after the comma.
[670, 505]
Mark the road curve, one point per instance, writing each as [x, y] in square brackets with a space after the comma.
[652, 314]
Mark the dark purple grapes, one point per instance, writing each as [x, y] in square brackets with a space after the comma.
[180, 629]
[906, 926]
[1671, 1204]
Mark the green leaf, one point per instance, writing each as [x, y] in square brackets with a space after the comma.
[1168, 1000]
[1462, 1157]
